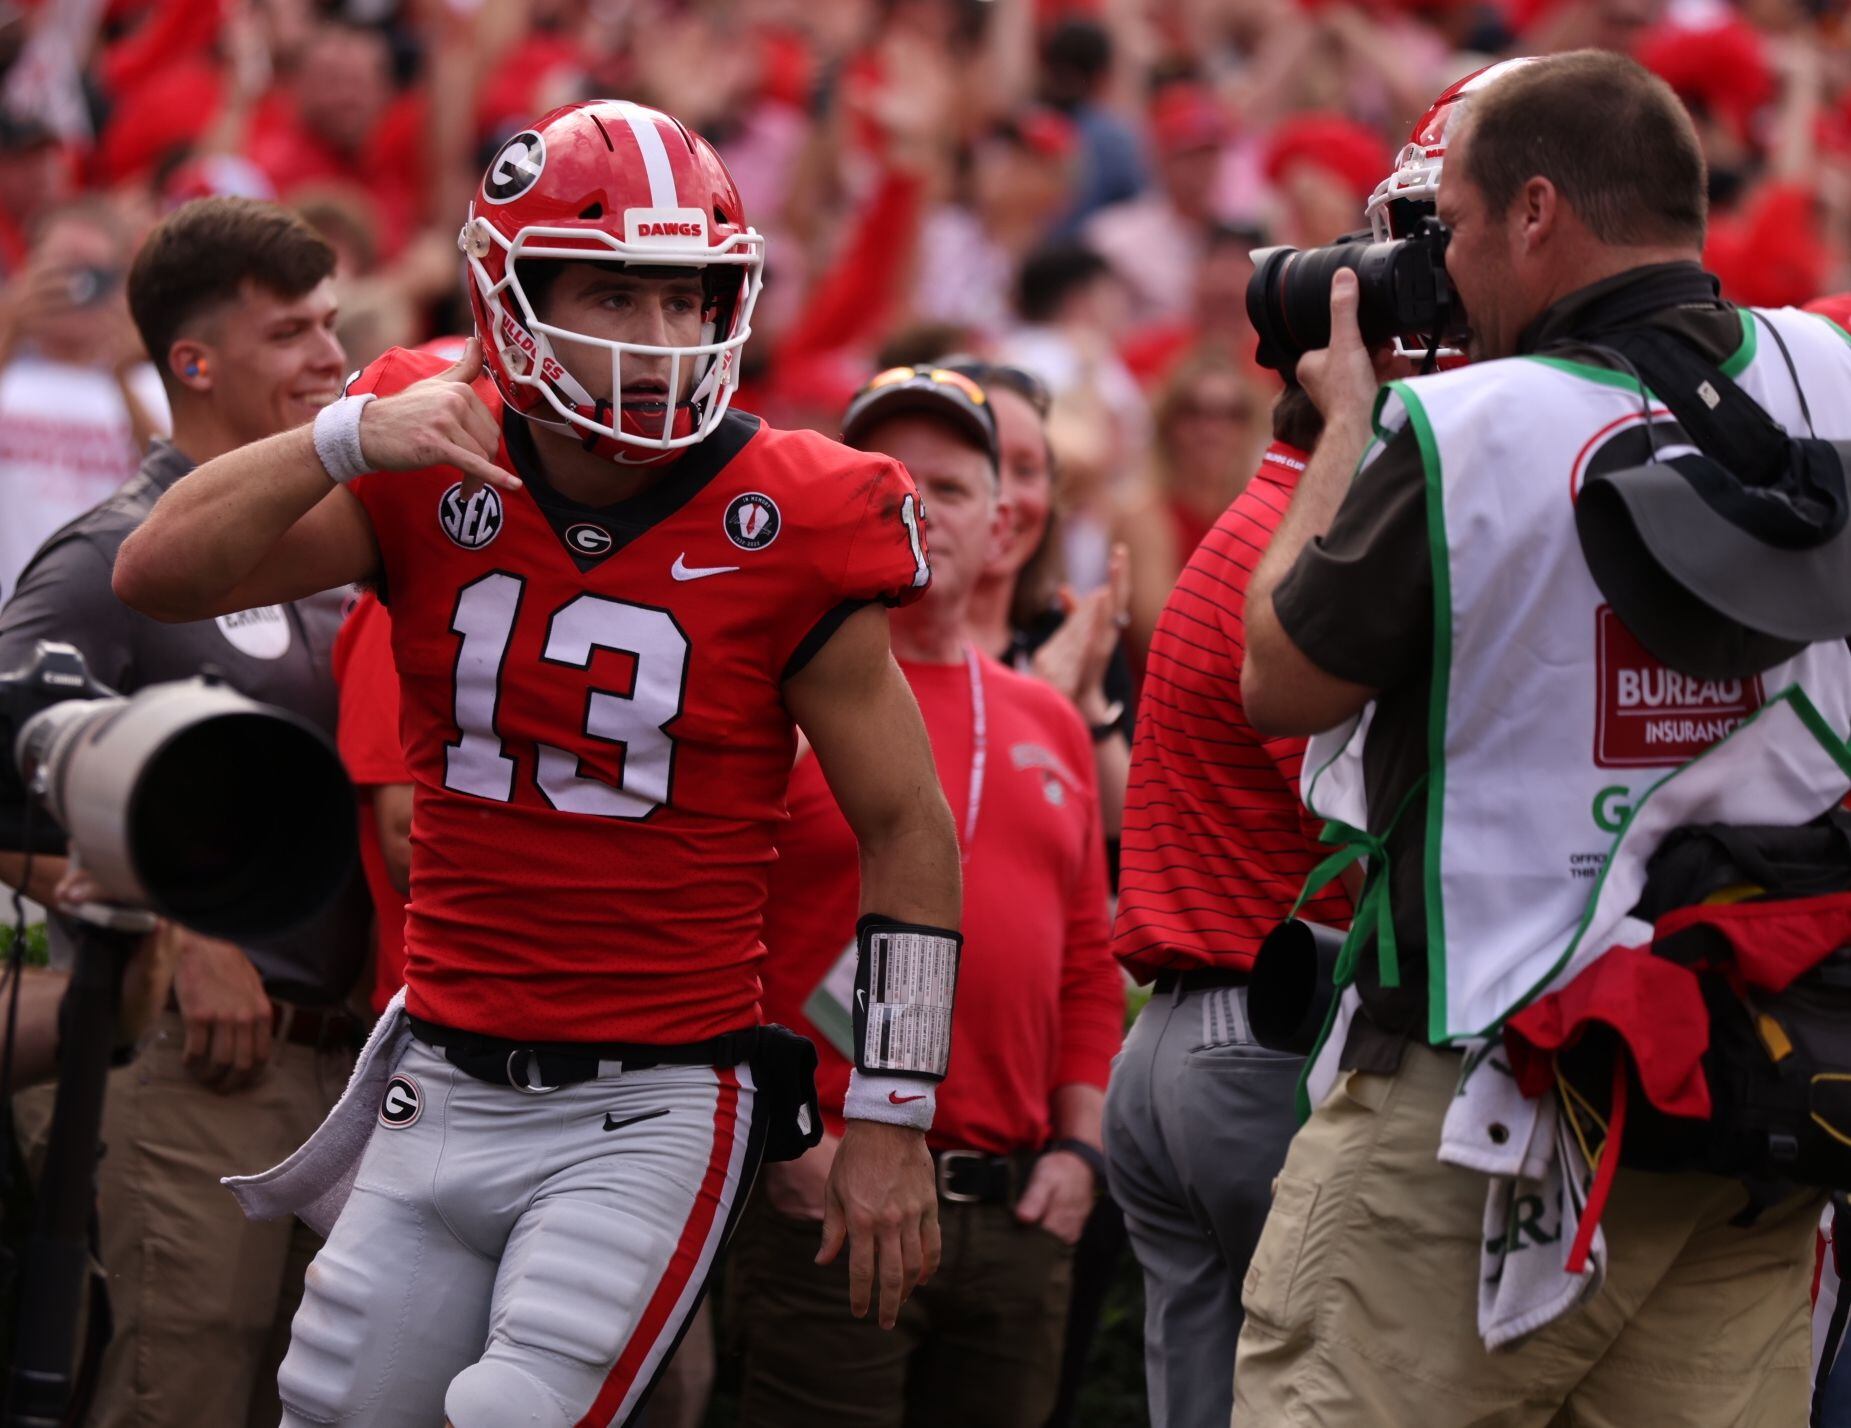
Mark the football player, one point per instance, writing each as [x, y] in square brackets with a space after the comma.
[611, 597]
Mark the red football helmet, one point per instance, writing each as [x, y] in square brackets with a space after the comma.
[1407, 194]
[611, 181]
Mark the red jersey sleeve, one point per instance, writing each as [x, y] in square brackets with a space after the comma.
[368, 731]
[884, 557]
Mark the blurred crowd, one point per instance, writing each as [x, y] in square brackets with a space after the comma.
[1074, 188]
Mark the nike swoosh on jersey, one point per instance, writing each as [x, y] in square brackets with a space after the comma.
[683, 571]
[611, 1125]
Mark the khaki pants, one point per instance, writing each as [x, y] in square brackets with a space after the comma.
[978, 1347]
[1362, 1296]
[202, 1297]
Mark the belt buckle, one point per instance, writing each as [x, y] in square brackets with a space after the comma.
[948, 1159]
[526, 1088]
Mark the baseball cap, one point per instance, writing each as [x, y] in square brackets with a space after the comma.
[938, 392]
[1185, 117]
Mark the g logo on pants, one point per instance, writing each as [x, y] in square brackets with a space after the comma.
[402, 1103]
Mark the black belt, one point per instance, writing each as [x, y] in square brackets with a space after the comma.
[322, 1027]
[539, 1066]
[1200, 979]
[970, 1177]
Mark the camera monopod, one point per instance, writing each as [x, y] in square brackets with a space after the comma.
[56, 1259]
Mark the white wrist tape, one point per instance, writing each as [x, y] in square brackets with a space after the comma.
[337, 438]
[895, 1100]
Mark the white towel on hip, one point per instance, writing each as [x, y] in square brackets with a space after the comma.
[314, 1183]
[1537, 1191]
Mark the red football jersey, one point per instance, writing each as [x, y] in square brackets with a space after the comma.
[368, 739]
[594, 717]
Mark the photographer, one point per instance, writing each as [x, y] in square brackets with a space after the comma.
[1445, 584]
[235, 298]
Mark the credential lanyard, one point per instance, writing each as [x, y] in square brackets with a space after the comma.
[979, 750]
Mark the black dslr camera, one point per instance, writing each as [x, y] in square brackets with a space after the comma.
[1402, 292]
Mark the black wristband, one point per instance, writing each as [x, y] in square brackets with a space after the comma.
[1091, 1154]
[1110, 725]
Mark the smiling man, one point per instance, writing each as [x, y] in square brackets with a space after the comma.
[235, 304]
[602, 660]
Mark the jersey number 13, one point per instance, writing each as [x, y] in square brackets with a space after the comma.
[486, 610]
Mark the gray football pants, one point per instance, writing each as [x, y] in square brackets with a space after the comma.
[1197, 1121]
[511, 1259]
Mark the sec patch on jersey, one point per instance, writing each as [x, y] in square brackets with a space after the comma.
[471, 523]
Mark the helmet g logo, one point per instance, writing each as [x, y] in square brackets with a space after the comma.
[515, 168]
[473, 523]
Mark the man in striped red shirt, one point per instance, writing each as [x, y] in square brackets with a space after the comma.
[1216, 847]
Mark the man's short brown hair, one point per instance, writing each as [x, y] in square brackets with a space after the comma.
[203, 253]
[1611, 137]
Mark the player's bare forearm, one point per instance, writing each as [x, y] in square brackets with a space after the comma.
[244, 512]
[863, 723]
[264, 523]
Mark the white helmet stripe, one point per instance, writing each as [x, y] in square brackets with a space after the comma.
[655, 157]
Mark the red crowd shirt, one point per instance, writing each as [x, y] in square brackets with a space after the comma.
[368, 739]
[593, 714]
[1040, 1003]
[1216, 843]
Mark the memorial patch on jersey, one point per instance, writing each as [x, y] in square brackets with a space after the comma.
[515, 168]
[1650, 716]
[402, 1103]
[752, 521]
[471, 523]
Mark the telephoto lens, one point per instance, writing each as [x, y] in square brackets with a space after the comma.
[1402, 292]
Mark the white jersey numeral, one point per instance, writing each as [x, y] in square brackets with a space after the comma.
[910, 516]
[637, 721]
[485, 611]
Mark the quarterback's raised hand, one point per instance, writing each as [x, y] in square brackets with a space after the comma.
[438, 422]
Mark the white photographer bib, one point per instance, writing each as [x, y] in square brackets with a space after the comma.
[1549, 723]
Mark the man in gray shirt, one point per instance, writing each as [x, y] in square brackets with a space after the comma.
[235, 302]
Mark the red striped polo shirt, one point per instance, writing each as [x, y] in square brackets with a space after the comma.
[1216, 843]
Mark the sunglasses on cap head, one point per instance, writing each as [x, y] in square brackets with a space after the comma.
[1024, 384]
[949, 395]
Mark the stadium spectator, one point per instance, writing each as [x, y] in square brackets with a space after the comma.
[1155, 241]
[1073, 307]
[235, 299]
[969, 253]
[1216, 848]
[344, 125]
[1015, 1141]
[78, 400]
[35, 175]
[1207, 433]
[1020, 610]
